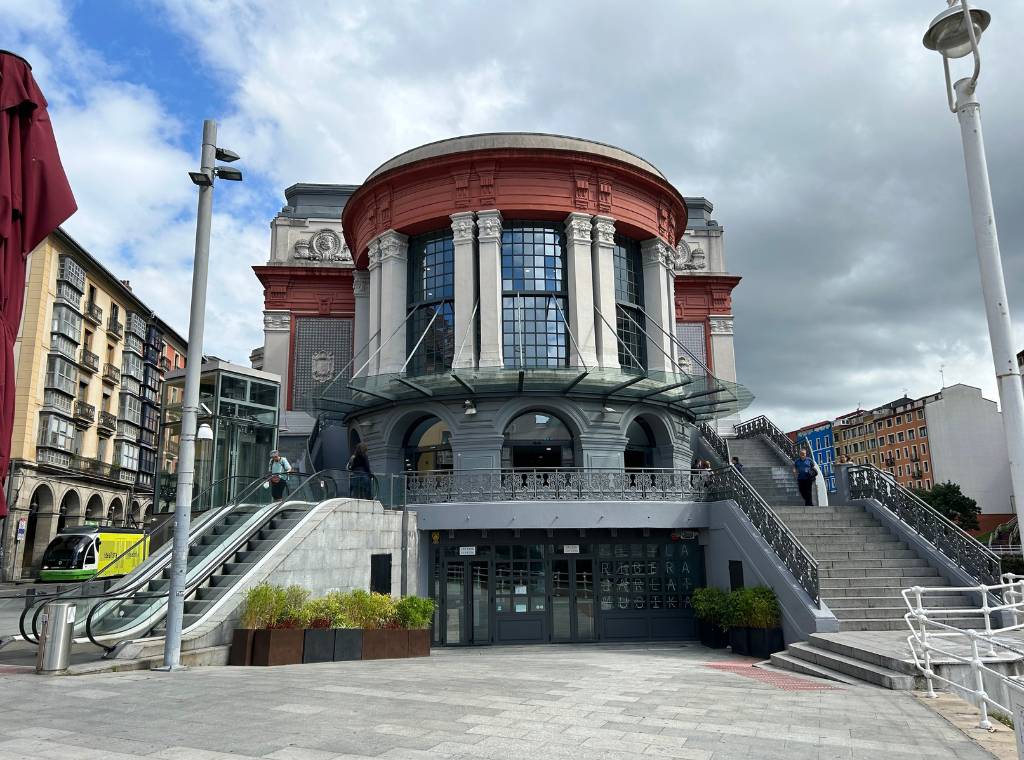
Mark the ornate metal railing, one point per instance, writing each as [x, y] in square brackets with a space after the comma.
[785, 544]
[965, 551]
[714, 440]
[563, 484]
[764, 426]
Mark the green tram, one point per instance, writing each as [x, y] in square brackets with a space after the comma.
[85, 552]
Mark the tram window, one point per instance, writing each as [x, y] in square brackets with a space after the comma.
[90, 554]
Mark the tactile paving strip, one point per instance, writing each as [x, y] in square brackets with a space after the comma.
[778, 680]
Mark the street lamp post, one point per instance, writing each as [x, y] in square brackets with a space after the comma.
[204, 178]
[955, 33]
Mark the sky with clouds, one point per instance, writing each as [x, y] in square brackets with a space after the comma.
[819, 131]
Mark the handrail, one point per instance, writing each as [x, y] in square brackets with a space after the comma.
[960, 547]
[764, 426]
[787, 547]
[213, 563]
[714, 440]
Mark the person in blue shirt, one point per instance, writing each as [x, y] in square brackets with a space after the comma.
[806, 472]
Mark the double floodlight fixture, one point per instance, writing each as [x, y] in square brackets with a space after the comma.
[204, 177]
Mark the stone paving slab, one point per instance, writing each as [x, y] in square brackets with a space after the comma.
[503, 703]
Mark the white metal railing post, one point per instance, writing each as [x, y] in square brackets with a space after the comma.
[979, 683]
[986, 610]
[923, 620]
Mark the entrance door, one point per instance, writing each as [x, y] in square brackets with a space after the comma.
[572, 599]
[466, 604]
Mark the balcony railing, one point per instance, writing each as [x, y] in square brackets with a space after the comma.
[92, 467]
[107, 422]
[764, 426]
[165, 364]
[84, 412]
[94, 313]
[111, 373]
[115, 328]
[89, 361]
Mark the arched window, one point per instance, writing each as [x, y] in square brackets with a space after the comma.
[639, 445]
[533, 317]
[537, 440]
[431, 291]
[629, 304]
[428, 446]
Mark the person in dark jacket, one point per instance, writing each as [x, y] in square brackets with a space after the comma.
[806, 472]
[359, 466]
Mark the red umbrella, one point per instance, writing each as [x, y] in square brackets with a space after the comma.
[34, 199]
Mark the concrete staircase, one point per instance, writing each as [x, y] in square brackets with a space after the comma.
[766, 470]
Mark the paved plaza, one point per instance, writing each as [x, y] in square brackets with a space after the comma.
[578, 702]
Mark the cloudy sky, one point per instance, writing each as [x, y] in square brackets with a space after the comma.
[819, 131]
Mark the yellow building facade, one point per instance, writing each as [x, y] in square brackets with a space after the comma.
[89, 363]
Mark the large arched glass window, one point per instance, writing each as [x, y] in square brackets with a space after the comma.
[431, 291]
[639, 445]
[629, 303]
[537, 440]
[533, 321]
[428, 446]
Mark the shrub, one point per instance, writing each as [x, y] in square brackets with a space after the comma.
[361, 609]
[765, 608]
[740, 610]
[712, 606]
[318, 613]
[293, 600]
[261, 606]
[415, 612]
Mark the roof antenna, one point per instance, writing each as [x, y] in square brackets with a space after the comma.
[942, 374]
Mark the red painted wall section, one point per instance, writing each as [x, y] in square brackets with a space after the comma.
[308, 290]
[699, 296]
[525, 184]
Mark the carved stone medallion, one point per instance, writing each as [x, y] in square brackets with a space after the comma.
[322, 366]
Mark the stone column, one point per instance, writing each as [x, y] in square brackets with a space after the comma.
[723, 356]
[488, 225]
[659, 283]
[603, 264]
[373, 322]
[361, 336]
[394, 299]
[276, 347]
[463, 228]
[582, 352]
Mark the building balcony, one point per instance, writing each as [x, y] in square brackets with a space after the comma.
[93, 313]
[151, 356]
[57, 401]
[127, 429]
[136, 325]
[111, 374]
[126, 476]
[53, 457]
[89, 361]
[107, 423]
[165, 364]
[85, 413]
[115, 329]
[60, 383]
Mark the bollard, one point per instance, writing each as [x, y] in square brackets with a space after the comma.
[55, 637]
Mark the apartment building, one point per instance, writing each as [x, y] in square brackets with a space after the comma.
[89, 361]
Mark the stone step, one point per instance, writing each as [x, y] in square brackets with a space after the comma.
[867, 531]
[811, 523]
[845, 571]
[869, 613]
[840, 591]
[843, 646]
[785, 661]
[862, 555]
[867, 624]
[853, 542]
[852, 667]
[798, 510]
[872, 564]
[885, 581]
[892, 600]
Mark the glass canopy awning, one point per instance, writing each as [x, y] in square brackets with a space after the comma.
[701, 395]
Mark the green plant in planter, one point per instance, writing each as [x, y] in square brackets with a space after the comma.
[318, 613]
[415, 612]
[764, 608]
[741, 608]
[368, 611]
[261, 607]
[711, 605]
[292, 601]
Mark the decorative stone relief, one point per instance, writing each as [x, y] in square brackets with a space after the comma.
[489, 226]
[324, 245]
[654, 253]
[373, 254]
[721, 325]
[393, 245]
[686, 363]
[605, 231]
[462, 227]
[604, 194]
[577, 228]
[361, 284]
[687, 259]
[276, 320]
[321, 366]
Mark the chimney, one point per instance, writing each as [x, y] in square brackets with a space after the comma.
[127, 284]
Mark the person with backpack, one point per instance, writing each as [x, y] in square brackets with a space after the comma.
[359, 466]
[806, 472]
[279, 469]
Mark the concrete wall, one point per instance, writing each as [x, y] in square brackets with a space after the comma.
[967, 445]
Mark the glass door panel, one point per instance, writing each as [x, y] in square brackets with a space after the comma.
[455, 602]
[561, 601]
[481, 606]
[584, 598]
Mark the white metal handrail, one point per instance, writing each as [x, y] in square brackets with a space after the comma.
[934, 636]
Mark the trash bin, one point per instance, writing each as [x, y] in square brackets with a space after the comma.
[58, 624]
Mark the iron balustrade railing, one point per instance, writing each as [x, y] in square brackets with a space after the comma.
[560, 484]
[714, 440]
[84, 411]
[107, 421]
[111, 373]
[89, 361]
[115, 328]
[952, 541]
[764, 426]
[93, 312]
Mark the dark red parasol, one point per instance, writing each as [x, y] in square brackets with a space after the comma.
[35, 199]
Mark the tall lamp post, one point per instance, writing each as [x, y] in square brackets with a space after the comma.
[204, 178]
[955, 33]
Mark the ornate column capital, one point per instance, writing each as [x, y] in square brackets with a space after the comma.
[488, 224]
[656, 252]
[577, 228]
[392, 245]
[277, 321]
[604, 230]
[373, 254]
[463, 226]
[360, 284]
[721, 324]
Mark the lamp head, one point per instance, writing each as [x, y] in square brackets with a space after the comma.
[948, 32]
[201, 178]
[204, 433]
[470, 407]
[223, 154]
[228, 173]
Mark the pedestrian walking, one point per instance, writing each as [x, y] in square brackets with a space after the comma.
[279, 469]
[359, 466]
[737, 464]
[805, 472]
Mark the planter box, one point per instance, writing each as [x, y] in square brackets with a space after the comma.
[241, 646]
[739, 640]
[419, 642]
[348, 644]
[318, 645]
[277, 646]
[374, 644]
[712, 636]
[766, 641]
[396, 643]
